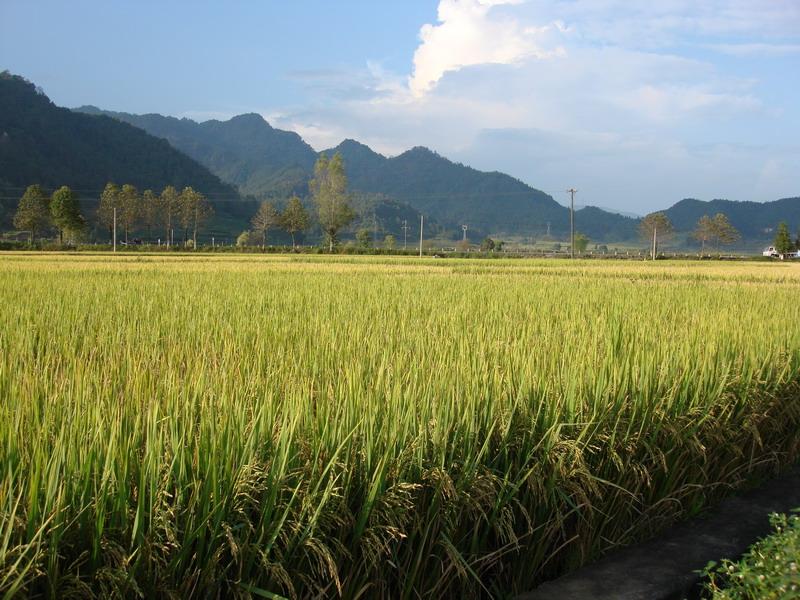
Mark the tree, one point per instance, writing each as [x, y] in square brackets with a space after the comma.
[129, 209]
[487, 245]
[704, 231]
[109, 200]
[655, 226]
[783, 242]
[389, 242]
[581, 242]
[329, 192]
[243, 239]
[265, 219]
[724, 231]
[169, 204]
[295, 218]
[33, 212]
[195, 210]
[150, 211]
[65, 211]
[364, 238]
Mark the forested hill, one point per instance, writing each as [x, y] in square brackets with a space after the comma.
[754, 220]
[42, 143]
[268, 162]
[245, 150]
[452, 192]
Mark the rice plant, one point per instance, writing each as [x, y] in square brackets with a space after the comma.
[294, 427]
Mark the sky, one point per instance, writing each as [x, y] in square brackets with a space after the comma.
[637, 104]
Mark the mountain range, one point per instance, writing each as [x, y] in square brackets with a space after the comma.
[267, 162]
[242, 160]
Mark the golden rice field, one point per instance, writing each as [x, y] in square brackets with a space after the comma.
[316, 427]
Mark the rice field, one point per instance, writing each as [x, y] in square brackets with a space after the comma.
[360, 427]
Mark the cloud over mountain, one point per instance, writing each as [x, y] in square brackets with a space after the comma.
[610, 85]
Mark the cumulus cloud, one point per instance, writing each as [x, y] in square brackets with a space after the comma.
[599, 94]
[470, 32]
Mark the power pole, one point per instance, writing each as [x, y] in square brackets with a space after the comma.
[655, 240]
[115, 229]
[571, 192]
[405, 233]
[421, 225]
[464, 228]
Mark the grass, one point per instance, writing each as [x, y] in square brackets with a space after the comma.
[768, 571]
[298, 426]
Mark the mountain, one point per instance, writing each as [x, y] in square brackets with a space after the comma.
[451, 192]
[268, 162]
[245, 150]
[756, 221]
[42, 143]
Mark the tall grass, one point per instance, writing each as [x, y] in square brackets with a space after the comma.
[300, 427]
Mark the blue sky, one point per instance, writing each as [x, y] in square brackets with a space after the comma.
[637, 104]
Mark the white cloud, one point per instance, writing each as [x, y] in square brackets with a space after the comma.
[620, 96]
[471, 33]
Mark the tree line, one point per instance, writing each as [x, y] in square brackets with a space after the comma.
[188, 209]
[715, 231]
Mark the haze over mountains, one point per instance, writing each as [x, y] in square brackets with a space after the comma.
[84, 148]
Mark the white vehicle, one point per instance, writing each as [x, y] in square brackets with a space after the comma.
[771, 252]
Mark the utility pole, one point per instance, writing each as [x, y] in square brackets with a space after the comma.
[115, 229]
[421, 225]
[405, 233]
[655, 239]
[571, 192]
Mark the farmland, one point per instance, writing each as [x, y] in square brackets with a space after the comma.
[296, 426]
